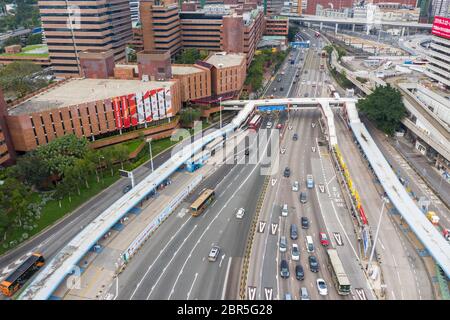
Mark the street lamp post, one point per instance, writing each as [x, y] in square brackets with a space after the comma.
[150, 150]
[385, 200]
[220, 112]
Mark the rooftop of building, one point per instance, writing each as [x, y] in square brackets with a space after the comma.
[82, 90]
[35, 51]
[182, 69]
[225, 60]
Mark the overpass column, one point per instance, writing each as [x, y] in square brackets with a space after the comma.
[321, 26]
[403, 31]
[353, 27]
[336, 28]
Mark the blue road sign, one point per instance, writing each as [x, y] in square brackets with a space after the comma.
[300, 44]
[365, 241]
[271, 108]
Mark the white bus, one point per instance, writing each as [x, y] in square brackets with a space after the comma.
[338, 274]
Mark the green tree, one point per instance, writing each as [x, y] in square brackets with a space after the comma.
[384, 107]
[121, 153]
[14, 201]
[190, 55]
[34, 39]
[189, 115]
[15, 77]
[31, 169]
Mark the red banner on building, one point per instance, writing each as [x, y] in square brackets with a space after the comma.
[133, 110]
[147, 107]
[125, 112]
[117, 115]
[441, 27]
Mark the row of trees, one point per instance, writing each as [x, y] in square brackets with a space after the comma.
[62, 168]
[26, 15]
[17, 80]
[189, 56]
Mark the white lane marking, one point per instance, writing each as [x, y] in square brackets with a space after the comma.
[268, 293]
[381, 243]
[221, 259]
[170, 261]
[226, 279]
[193, 282]
[261, 226]
[162, 250]
[212, 221]
[251, 293]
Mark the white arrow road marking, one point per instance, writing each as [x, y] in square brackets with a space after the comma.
[251, 293]
[221, 259]
[268, 292]
[274, 228]
[338, 238]
[274, 181]
[360, 293]
[7, 270]
[261, 226]
[322, 188]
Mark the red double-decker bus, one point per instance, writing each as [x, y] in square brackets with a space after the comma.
[255, 122]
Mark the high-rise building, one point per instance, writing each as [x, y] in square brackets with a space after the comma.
[134, 9]
[160, 23]
[7, 153]
[438, 67]
[73, 26]
[440, 8]
[311, 6]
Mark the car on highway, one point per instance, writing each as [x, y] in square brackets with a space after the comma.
[284, 210]
[295, 137]
[247, 151]
[287, 296]
[281, 88]
[284, 269]
[306, 95]
[309, 181]
[269, 125]
[306, 72]
[299, 272]
[280, 126]
[324, 239]
[305, 222]
[282, 73]
[295, 252]
[294, 231]
[213, 253]
[309, 244]
[283, 244]
[240, 213]
[279, 79]
[304, 293]
[274, 89]
[322, 287]
[287, 172]
[303, 197]
[127, 188]
[295, 186]
[313, 264]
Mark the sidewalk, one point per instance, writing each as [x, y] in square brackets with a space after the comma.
[427, 171]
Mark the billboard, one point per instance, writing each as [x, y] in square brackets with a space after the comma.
[441, 27]
[147, 107]
[161, 104]
[125, 112]
[133, 111]
[169, 111]
[154, 98]
[140, 107]
[117, 115]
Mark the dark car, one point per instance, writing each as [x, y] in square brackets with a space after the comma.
[313, 264]
[305, 223]
[303, 198]
[287, 172]
[294, 231]
[281, 88]
[295, 137]
[126, 189]
[299, 273]
[306, 95]
[247, 152]
[284, 269]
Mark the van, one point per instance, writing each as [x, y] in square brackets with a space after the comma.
[284, 210]
[294, 231]
[283, 244]
[309, 244]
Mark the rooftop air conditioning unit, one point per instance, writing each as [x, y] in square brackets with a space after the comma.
[145, 78]
[220, 65]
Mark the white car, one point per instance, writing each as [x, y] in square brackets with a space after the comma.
[295, 186]
[240, 213]
[269, 125]
[213, 253]
[322, 287]
[295, 252]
